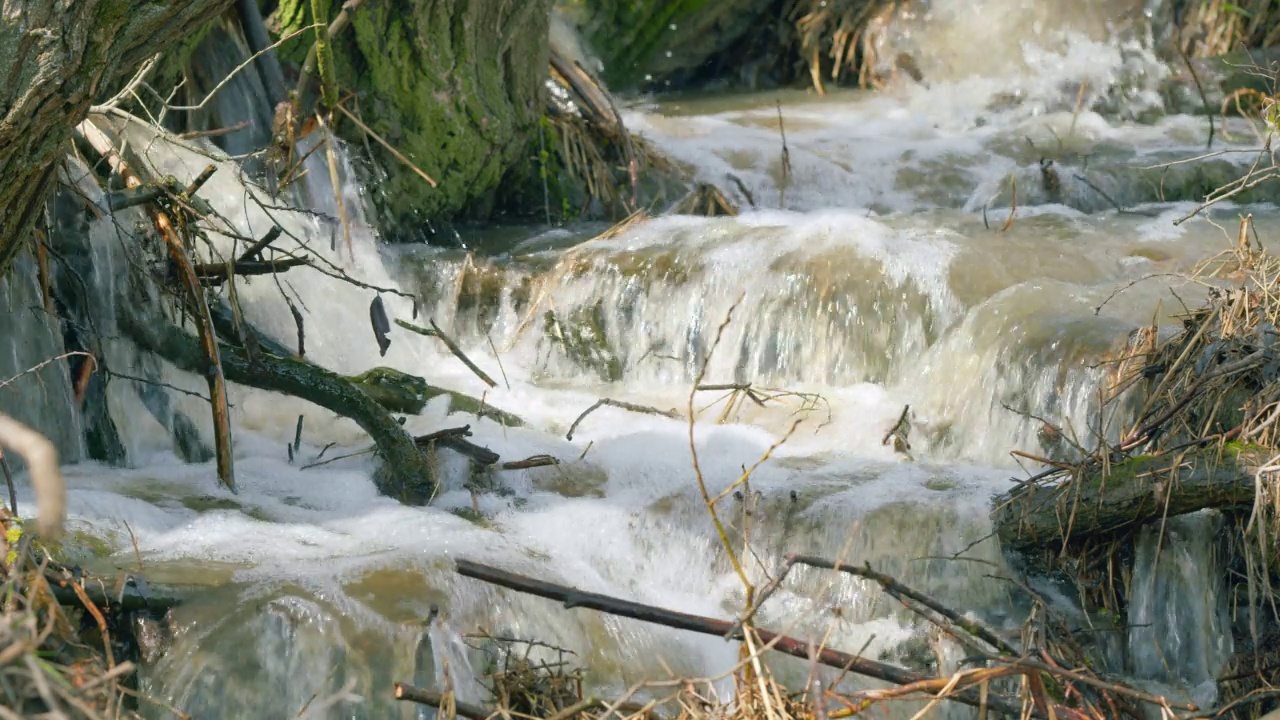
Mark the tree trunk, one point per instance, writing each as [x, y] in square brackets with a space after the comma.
[651, 43]
[55, 59]
[456, 86]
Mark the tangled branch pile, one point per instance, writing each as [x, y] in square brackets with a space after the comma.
[1203, 402]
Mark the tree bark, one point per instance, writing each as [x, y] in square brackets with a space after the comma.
[56, 58]
[456, 86]
[1134, 492]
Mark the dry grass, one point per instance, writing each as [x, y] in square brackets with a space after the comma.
[1217, 27]
[844, 32]
[46, 669]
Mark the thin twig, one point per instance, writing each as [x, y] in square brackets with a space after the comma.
[632, 407]
[436, 332]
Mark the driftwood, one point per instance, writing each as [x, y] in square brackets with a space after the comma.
[396, 391]
[254, 251]
[406, 474]
[214, 274]
[128, 596]
[573, 598]
[456, 439]
[422, 696]
[1132, 493]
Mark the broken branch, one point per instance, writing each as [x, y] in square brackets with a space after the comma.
[645, 409]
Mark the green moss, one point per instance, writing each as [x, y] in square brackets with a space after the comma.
[209, 503]
[397, 391]
[456, 87]
[472, 516]
[583, 338]
[630, 34]
[78, 547]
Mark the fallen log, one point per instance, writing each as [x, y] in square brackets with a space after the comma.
[433, 698]
[573, 598]
[396, 391]
[406, 474]
[129, 596]
[1131, 493]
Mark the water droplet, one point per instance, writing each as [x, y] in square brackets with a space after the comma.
[672, 26]
[648, 78]
[668, 53]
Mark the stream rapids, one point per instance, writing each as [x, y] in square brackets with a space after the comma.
[878, 275]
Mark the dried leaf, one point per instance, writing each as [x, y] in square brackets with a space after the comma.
[381, 326]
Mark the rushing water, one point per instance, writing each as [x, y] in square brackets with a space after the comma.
[868, 280]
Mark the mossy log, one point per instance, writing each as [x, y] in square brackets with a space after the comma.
[55, 59]
[1134, 492]
[395, 391]
[456, 86]
[406, 474]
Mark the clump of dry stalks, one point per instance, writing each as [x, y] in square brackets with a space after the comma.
[594, 147]
[47, 667]
[845, 32]
[1202, 403]
[1217, 27]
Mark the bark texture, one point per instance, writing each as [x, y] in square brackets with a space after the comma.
[645, 43]
[1138, 491]
[56, 58]
[454, 85]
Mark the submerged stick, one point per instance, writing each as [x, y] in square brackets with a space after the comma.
[573, 598]
[434, 698]
[530, 462]
[900, 591]
[455, 439]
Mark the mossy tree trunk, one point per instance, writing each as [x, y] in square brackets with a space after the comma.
[648, 43]
[56, 58]
[457, 86]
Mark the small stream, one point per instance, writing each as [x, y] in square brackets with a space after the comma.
[881, 273]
